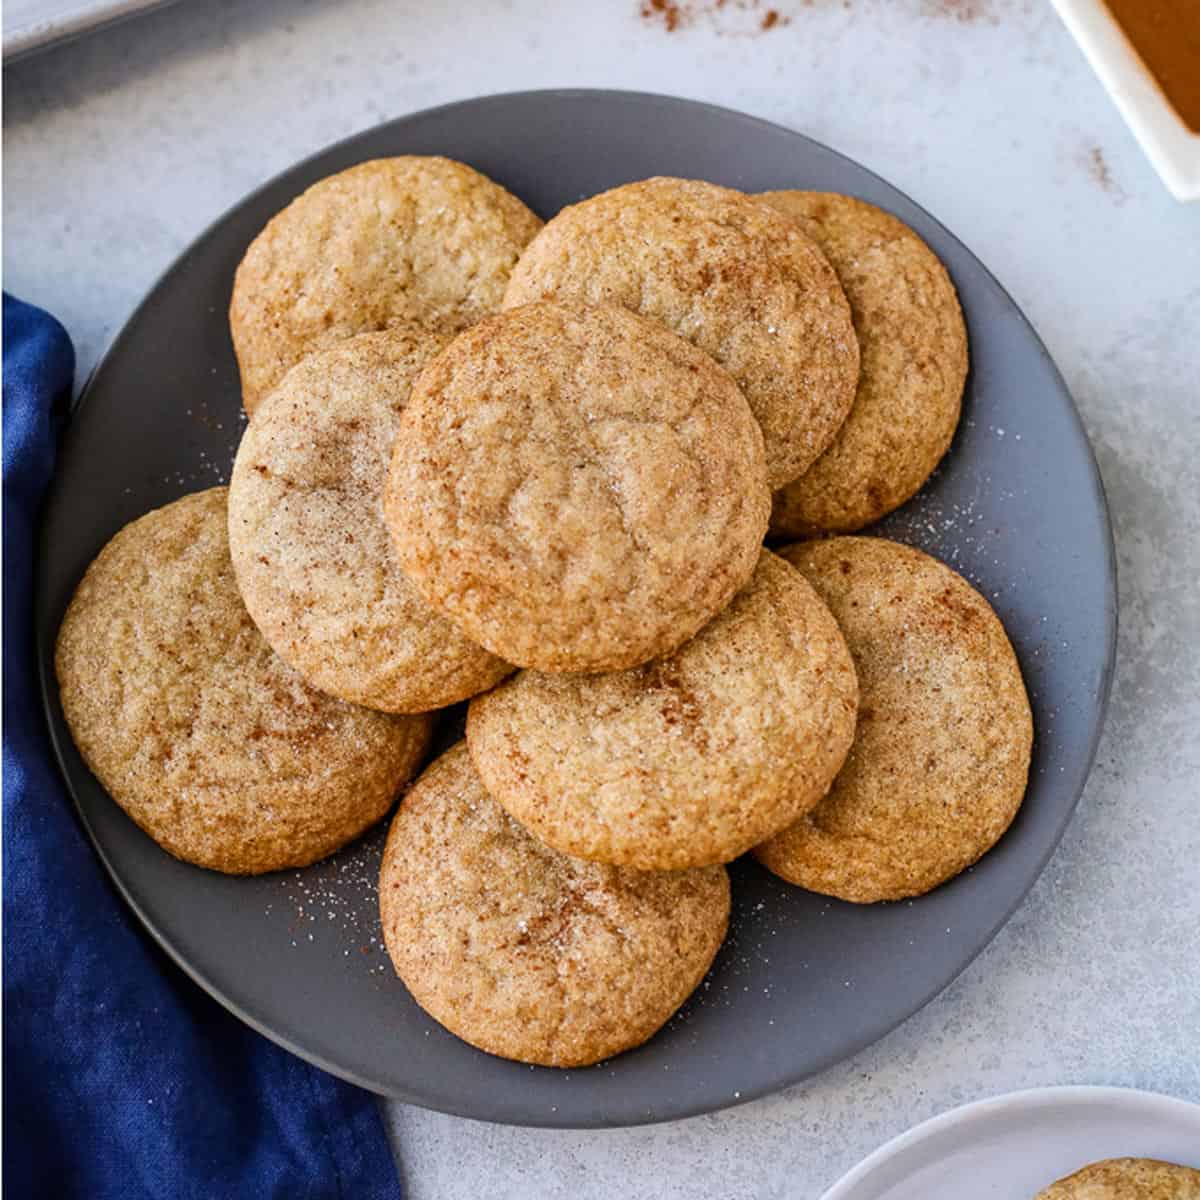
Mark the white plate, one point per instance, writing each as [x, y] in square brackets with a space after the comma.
[1011, 1147]
[1169, 144]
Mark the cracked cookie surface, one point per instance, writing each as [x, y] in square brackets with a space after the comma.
[729, 273]
[689, 760]
[913, 346]
[527, 953]
[579, 489]
[940, 757]
[1127, 1179]
[393, 239]
[193, 724]
[310, 548]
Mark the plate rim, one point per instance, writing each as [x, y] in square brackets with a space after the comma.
[1036, 1097]
[751, 1092]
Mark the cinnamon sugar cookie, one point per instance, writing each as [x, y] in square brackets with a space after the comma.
[729, 273]
[312, 554]
[685, 761]
[394, 239]
[208, 740]
[914, 362]
[524, 952]
[1127, 1179]
[579, 490]
[941, 754]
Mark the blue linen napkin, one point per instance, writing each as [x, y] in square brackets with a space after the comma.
[121, 1077]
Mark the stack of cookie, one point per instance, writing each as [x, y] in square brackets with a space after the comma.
[533, 468]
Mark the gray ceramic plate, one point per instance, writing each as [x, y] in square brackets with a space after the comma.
[802, 982]
[35, 24]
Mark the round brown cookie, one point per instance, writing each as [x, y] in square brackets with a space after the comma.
[914, 362]
[581, 490]
[525, 952]
[311, 552]
[1127, 1179]
[730, 274]
[409, 238]
[686, 761]
[940, 757]
[210, 742]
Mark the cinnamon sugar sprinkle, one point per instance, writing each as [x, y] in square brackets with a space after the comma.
[743, 18]
[736, 17]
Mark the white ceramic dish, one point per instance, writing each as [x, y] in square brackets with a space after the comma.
[1169, 144]
[1010, 1147]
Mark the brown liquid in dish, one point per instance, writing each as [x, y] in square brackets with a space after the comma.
[1166, 33]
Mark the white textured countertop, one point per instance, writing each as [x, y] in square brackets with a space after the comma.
[120, 148]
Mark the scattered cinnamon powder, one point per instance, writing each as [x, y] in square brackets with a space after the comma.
[670, 14]
[1093, 161]
[1098, 167]
[964, 11]
[742, 18]
[730, 18]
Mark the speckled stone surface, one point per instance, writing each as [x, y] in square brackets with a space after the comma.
[120, 148]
